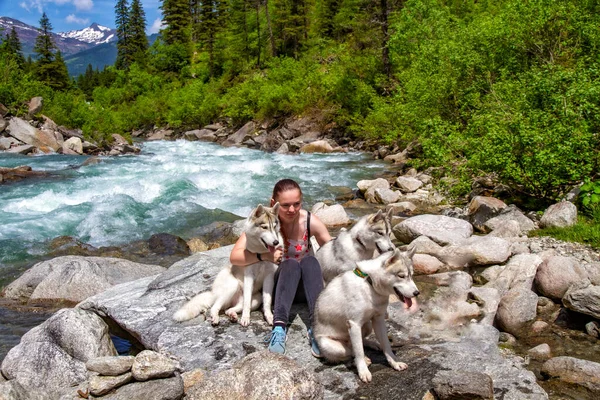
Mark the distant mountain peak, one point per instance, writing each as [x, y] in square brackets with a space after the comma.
[95, 34]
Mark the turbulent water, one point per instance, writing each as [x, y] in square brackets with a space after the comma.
[172, 187]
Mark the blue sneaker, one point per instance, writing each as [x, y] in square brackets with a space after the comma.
[276, 340]
[314, 347]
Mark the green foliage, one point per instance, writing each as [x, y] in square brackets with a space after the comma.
[585, 231]
[589, 199]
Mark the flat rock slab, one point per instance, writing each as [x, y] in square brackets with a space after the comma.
[145, 307]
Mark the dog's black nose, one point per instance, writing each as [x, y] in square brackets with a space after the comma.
[416, 293]
[275, 243]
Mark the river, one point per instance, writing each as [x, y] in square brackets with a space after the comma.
[171, 186]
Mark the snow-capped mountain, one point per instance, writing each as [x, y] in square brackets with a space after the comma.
[68, 42]
[95, 34]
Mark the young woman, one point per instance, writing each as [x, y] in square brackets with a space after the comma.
[298, 277]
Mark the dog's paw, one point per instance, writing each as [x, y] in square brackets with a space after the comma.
[398, 366]
[269, 318]
[245, 320]
[214, 319]
[232, 315]
[364, 374]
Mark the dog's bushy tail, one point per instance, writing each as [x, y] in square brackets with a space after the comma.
[198, 304]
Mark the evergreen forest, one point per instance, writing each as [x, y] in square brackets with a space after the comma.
[477, 87]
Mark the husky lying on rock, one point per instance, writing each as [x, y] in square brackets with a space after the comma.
[237, 288]
[355, 303]
[371, 233]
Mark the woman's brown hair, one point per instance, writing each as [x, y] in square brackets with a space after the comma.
[283, 186]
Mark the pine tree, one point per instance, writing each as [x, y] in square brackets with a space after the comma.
[177, 17]
[13, 45]
[123, 33]
[138, 42]
[49, 67]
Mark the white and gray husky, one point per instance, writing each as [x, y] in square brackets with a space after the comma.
[355, 303]
[369, 234]
[238, 288]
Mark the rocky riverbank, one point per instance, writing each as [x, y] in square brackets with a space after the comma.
[494, 303]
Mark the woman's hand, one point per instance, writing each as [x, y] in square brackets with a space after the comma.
[275, 257]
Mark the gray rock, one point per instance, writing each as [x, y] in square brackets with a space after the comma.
[507, 229]
[441, 229]
[334, 215]
[541, 352]
[24, 149]
[408, 184]
[517, 308]
[35, 106]
[100, 385]
[488, 299]
[8, 142]
[253, 377]
[425, 264]
[28, 134]
[583, 297]
[111, 366]
[507, 214]
[203, 135]
[52, 355]
[318, 146]
[575, 371]
[482, 208]
[158, 389]
[593, 329]
[145, 307]
[74, 278]
[556, 274]
[243, 134]
[367, 187]
[73, 145]
[386, 196]
[456, 385]
[559, 215]
[401, 207]
[151, 365]
[520, 271]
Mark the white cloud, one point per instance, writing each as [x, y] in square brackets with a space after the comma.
[83, 5]
[156, 26]
[72, 19]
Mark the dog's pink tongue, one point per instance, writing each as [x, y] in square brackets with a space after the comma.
[272, 249]
[407, 302]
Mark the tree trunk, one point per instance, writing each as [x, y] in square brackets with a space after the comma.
[271, 37]
[385, 52]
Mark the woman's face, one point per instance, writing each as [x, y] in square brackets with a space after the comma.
[290, 203]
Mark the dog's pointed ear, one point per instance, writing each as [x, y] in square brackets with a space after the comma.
[389, 214]
[275, 208]
[258, 211]
[410, 252]
[396, 255]
[376, 217]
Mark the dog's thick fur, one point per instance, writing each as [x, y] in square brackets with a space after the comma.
[238, 288]
[350, 307]
[371, 233]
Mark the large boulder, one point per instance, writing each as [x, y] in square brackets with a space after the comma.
[75, 278]
[507, 214]
[556, 274]
[252, 377]
[241, 135]
[52, 355]
[516, 310]
[483, 208]
[440, 228]
[334, 215]
[559, 215]
[28, 134]
[145, 308]
[583, 297]
[574, 371]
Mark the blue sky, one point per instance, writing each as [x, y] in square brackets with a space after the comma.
[68, 15]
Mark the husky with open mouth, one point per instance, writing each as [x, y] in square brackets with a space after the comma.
[355, 303]
[238, 288]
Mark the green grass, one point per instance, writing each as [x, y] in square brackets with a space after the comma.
[586, 231]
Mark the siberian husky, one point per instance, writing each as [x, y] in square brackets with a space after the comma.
[238, 288]
[370, 233]
[355, 303]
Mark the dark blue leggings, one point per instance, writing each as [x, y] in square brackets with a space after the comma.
[288, 277]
